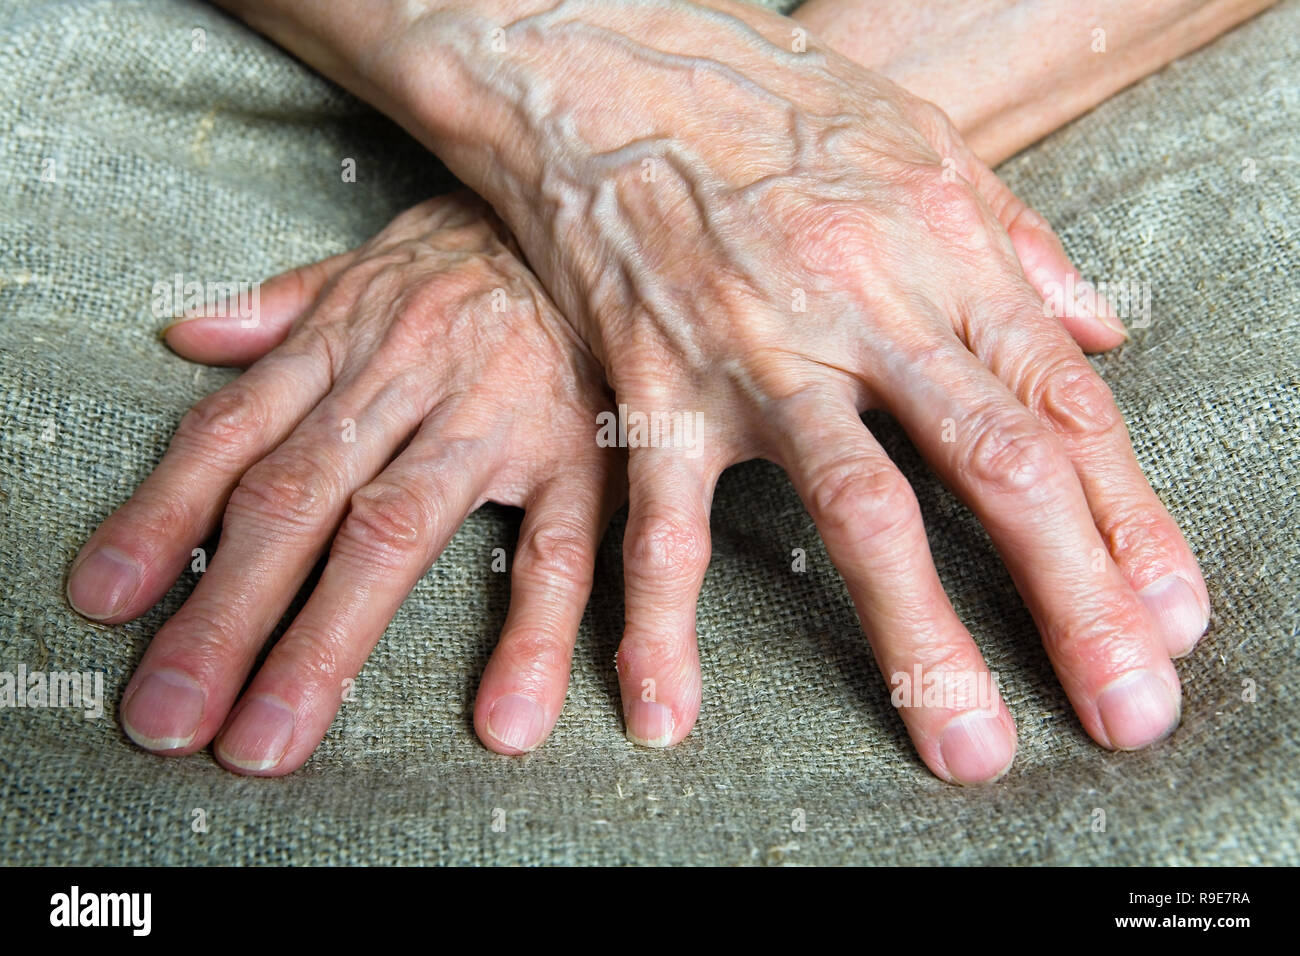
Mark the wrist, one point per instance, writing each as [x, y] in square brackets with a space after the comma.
[1010, 72]
[373, 48]
[517, 83]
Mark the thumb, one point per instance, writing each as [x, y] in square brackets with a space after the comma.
[1089, 318]
[240, 336]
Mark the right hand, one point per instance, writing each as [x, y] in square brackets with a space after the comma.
[682, 183]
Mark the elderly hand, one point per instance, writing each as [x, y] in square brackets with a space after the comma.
[770, 241]
[404, 384]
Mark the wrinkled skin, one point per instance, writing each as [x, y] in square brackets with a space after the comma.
[675, 195]
[775, 242]
[462, 385]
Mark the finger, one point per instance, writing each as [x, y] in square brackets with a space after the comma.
[395, 528]
[1038, 362]
[1064, 292]
[665, 556]
[136, 555]
[871, 523]
[227, 337]
[523, 686]
[1017, 478]
[277, 523]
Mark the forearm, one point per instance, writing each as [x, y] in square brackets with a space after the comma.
[457, 73]
[1009, 72]
[345, 41]
[543, 106]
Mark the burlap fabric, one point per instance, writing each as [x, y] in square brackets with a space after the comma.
[133, 148]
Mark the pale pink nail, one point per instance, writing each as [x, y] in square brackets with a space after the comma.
[259, 736]
[649, 723]
[517, 722]
[164, 711]
[1175, 606]
[102, 584]
[1137, 710]
[975, 748]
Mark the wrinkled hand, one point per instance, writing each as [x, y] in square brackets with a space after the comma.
[775, 241]
[405, 384]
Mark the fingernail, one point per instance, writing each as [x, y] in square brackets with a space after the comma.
[259, 736]
[1107, 316]
[975, 748]
[101, 585]
[182, 319]
[649, 723]
[163, 713]
[162, 332]
[517, 722]
[1175, 606]
[1137, 710]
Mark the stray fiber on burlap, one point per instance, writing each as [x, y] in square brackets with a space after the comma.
[224, 163]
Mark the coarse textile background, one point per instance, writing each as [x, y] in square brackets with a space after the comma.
[217, 156]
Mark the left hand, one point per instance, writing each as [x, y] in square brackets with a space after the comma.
[393, 390]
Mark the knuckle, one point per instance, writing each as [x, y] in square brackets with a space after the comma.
[1138, 529]
[667, 545]
[642, 381]
[952, 210]
[537, 652]
[416, 321]
[668, 660]
[387, 524]
[157, 513]
[208, 637]
[1075, 401]
[859, 500]
[1106, 634]
[314, 344]
[954, 668]
[830, 238]
[312, 657]
[291, 492]
[556, 553]
[1013, 454]
[225, 422]
[940, 656]
[450, 303]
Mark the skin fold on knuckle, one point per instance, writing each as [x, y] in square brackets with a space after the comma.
[952, 213]
[667, 661]
[534, 656]
[1143, 538]
[940, 654]
[556, 556]
[206, 643]
[387, 526]
[1074, 401]
[859, 502]
[223, 425]
[667, 546]
[147, 526]
[306, 671]
[284, 497]
[1100, 638]
[1013, 455]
